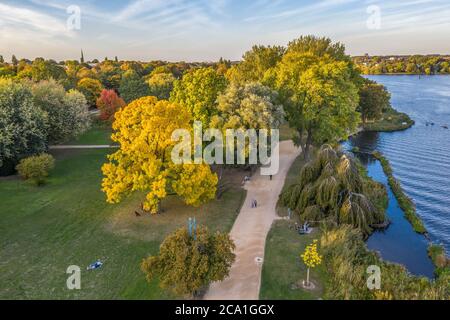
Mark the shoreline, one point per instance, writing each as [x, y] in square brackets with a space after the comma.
[405, 202]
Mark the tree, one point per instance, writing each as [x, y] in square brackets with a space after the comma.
[373, 100]
[67, 113]
[330, 188]
[91, 88]
[22, 125]
[36, 168]
[72, 69]
[143, 129]
[109, 73]
[82, 57]
[1, 59]
[77, 115]
[132, 86]
[318, 91]
[187, 263]
[45, 70]
[14, 60]
[250, 106]
[109, 103]
[161, 84]
[198, 91]
[255, 64]
[311, 259]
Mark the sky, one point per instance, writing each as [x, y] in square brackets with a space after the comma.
[205, 30]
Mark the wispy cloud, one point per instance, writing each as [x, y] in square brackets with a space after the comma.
[205, 29]
[28, 20]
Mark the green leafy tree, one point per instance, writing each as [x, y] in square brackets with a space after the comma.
[22, 125]
[14, 60]
[330, 188]
[188, 263]
[45, 69]
[36, 168]
[110, 74]
[318, 91]
[132, 87]
[255, 64]
[161, 84]
[373, 100]
[198, 91]
[248, 106]
[67, 113]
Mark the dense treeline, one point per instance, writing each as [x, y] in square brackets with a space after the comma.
[417, 64]
[311, 83]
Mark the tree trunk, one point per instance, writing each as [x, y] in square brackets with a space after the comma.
[307, 278]
[308, 143]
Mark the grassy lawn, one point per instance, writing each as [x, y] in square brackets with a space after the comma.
[283, 269]
[98, 134]
[45, 229]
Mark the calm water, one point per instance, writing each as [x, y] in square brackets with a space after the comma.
[420, 157]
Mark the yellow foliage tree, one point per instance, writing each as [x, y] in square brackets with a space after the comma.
[311, 258]
[143, 129]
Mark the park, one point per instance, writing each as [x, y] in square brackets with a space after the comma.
[92, 177]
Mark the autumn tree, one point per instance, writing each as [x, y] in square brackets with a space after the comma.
[91, 88]
[132, 86]
[22, 125]
[188, 263]
[198, 91]
[161, 84]
[109, 103]
[311, 258]
[255, 64]
[373, 100]
[143, 129]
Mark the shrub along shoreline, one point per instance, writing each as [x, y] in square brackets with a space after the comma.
[392, 120]
[404, 201]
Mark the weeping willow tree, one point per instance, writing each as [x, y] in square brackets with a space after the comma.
[332, 187]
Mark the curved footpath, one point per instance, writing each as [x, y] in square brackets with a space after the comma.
[250, 230]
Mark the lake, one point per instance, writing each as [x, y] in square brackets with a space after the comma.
[420, 158]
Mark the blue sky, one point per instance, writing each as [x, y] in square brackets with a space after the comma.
[194, 30]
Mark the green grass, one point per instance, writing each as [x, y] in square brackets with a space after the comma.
[283, 268]
[391, 120]
[440, 260]
[66, 222]
[404, 201]
[98, 134]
